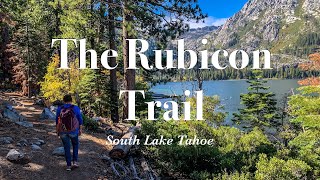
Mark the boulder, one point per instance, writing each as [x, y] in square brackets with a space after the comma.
[41, 141]
[25, 124]
[35, 147]
[58, 151]
[22, 142]
[14, 155]
[11, 115]
[37, 141]
[6, 140]
[47, 114]
[17, 157]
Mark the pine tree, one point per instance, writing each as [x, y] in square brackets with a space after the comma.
[150, 19]
[260, 105]
[87, 92]
[71, 18]
[7, 23]
[24, 52]
[113, 73]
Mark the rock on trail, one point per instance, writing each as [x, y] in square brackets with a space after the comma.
[17, 157]
[7, 111]
[47, 114]
[6, 140]
[35, 147]
[58, 151]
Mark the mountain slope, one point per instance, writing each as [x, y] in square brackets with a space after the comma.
[275, 24]
[194, 36]
[290, 29]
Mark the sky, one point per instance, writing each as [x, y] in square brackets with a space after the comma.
[218, 11]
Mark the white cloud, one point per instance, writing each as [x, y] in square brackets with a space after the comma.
[209, 21]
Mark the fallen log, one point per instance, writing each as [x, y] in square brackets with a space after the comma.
[120, 151]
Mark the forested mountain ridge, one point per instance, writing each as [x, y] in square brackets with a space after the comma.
[289, 29]
[195, 35]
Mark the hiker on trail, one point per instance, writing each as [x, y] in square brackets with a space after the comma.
[69, 127]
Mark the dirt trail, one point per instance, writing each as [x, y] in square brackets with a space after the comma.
[43, 164]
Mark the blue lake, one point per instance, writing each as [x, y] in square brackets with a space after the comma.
[229, 91]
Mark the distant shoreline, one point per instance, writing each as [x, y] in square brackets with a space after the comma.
[164, 82]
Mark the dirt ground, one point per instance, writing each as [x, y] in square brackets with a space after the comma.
[43, 164]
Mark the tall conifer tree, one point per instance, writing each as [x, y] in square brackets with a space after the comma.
[259, 105]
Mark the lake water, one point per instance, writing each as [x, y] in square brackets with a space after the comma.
[229, 91]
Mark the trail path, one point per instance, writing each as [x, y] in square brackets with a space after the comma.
[43, 164]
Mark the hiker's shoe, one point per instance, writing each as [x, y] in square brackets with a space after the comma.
[75, 164]
[68, 168]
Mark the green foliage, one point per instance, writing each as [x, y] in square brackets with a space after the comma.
[233, 176]
[210, 104]
[232, 149]
[249, 142]
[306, 44]
[99, 100]
[304, 109]
[53, 87]
[23, 51]
[307, 147]
[284, 72]
[141, 106]
[260, 106]
[87, 90]
[27, 28]
[89, 123]
[57, 82]
[280, 169]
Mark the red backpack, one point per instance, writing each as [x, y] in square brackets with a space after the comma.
[67, 121]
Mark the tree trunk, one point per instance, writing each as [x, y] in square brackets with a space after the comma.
[113, 72]
[129, 74]
[91, 23]
[57, 25]
[199, 77]
[3, 46]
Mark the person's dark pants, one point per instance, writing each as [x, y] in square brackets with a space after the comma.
[74, 138]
